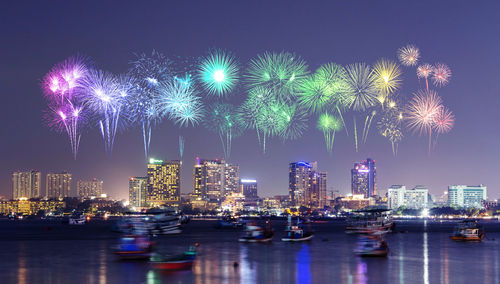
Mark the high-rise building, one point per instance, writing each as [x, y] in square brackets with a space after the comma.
[89, 188]
[26, 184]
[137, 191]
[466, 196]
[416, 198]
[363, 178]
[248, 187]
[58, 185]
[164, 183]
[214, 179]
[306, 185]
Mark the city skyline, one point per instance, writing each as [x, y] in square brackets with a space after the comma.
[450, 162]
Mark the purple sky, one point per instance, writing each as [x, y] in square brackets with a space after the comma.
[463, 34]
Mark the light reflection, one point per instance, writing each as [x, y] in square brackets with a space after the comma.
[102, 267]
[426, 259]
[303, 261]
[361, 270]
[248, 274]
[401, 265]
[22, 270]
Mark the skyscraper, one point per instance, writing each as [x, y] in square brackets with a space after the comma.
[164, 184]
[416, 198]
[317, 196]
[249, 188]
[58, 185]
[363, 178]
[466, 196]
[26, 184]
[137, 191]
[299, 175]
[89, 188]
[214, 179]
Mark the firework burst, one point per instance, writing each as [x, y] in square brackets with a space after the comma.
[218, 72]
[180, 102]
[389, 126]
[409, 55]
[441, 75]
[224, 119]
[387, 78]
[329, 124]
[295, 121]
[443, 121]
[282, 73]
[425, 71]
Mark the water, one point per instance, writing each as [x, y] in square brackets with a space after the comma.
[49, 252]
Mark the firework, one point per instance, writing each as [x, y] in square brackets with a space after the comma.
[60, 85]
[325, 88]
[441, 74]
[149, 72]
[104, 96]
[282, 73]
[443, 120]
[387, 78]
[224, 119]
[389, 126]
[329, 124]
[425, 71]
[421, 112]
[408, 55]
[258, 98]
[218, 72]
[180, 102]
[294, 121]
[181, 146]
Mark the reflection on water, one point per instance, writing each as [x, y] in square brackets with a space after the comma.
[418, 256]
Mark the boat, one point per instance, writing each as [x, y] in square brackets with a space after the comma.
[256, 234]
[229, 222]
[372, 246]
[134, 247]
[370, 221]
[182, 261]
[164, 224]
[295, 233]
[77, 220]
[468, 230]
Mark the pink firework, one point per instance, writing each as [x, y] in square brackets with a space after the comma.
[441, 74]
[422, 111]
[64, 78]
[443, 120]
[424, 70]
[409, 55]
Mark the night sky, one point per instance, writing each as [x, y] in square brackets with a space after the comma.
[35, 35]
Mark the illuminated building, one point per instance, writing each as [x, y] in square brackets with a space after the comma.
[89, 188]
[213, 180]
[248, 187]
[58, 185]
[24, 206]
[233, 202]
[466, 196]
[355, 202]
[306, 185]
[416, 198]
[137, 192]
[26, 184]
[363, 178]
[163, 184]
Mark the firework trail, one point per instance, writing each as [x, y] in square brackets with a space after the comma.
[441, 74]
[422, 111]
[218, 73]
[258, 98]
[149, 72]
[181, 146]
[329, 124]
[60, 85]
[282, 73]
[224, 119]
[361, 91]
[425, 71]
[409, 55]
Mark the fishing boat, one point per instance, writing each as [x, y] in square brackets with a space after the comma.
[295, 233]
[134, 247]
[77, 220]
[182, 261]
[164, 223]
[256, 234]
[229, 222]
[372, 246]
[370, 221]
[468, 230]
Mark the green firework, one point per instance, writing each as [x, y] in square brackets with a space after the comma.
[282, 73]
[223, 119]
[218, 73]
[329, 124]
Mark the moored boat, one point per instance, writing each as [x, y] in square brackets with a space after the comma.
[229, 222]
[372, 246]
[370, 221]
[77, 220]
[468, 230]
[256, 234]
[295, 233]
[182, 261]
[134, 247]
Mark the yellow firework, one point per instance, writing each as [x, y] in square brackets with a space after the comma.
[409, 55]
[387, 78]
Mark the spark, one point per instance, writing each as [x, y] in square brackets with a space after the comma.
[387, 78]
[409, 55]
[219, 72]
[441, 75]
[329, 124]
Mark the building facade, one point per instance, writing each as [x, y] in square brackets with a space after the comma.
[248, 187]
[89, 188]
[306, 185]
[416, 198]
[58, 185]
[213, 180]
[164, 183]
[26, 184]
[137, 192]
[317, 196]
[466, 196]
[363, 177]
